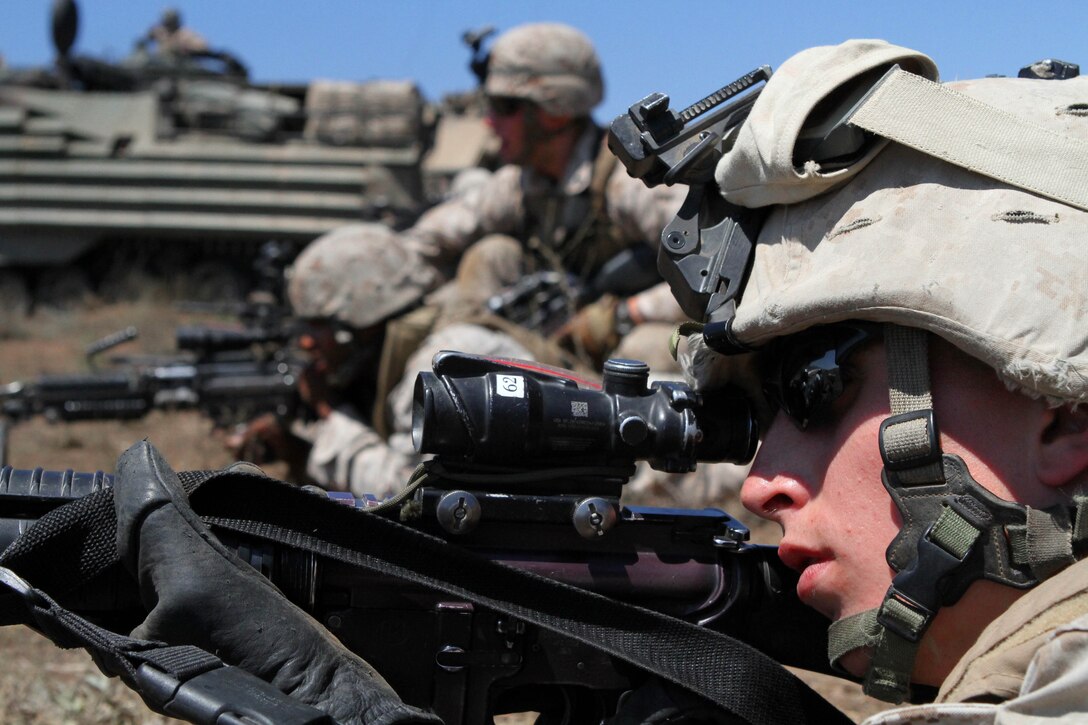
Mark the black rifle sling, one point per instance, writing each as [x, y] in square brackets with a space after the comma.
[181, 681]
[72, 550]
[725, 671]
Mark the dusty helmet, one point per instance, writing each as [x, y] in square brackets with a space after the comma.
[965, 217]
[550, 64]
[913, 239]
[171, 19]
[359, 275]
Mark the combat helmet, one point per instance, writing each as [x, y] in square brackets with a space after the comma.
[963, 215]
[553, 65]
[171, 19]
[359, 275]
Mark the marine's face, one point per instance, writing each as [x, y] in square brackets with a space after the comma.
[319, 341]
[822, 485]
[506, 117]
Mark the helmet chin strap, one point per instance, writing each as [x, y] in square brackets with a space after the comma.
[954, 530]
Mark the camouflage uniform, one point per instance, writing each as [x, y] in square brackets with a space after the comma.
[359, 276]
[575, 224]
[516, 202]
[1030, 663]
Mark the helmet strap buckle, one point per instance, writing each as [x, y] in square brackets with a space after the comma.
[910, 442]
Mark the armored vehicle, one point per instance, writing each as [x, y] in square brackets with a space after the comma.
[175, 163]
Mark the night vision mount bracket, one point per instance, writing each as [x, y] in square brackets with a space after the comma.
[706, 250]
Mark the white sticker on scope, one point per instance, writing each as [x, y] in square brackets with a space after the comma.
[510, 386]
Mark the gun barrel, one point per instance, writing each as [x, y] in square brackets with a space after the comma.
[77, 397]
[640, 562]
[27, 495]
[229, 386]
[111, 341]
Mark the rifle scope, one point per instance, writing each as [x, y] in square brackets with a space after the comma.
[511, 412]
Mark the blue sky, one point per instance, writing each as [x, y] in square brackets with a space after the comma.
[686, 48]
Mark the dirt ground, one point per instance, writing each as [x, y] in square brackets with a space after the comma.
[42, 684]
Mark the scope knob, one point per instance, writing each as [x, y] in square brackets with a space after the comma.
[633, 430]
[625, 377]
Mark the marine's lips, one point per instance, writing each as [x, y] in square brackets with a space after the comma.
[798, 557]
[810, 563]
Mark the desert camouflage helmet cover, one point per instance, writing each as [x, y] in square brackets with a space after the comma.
[550, 64]
[358, 274]
[907, 238]
[171, 19]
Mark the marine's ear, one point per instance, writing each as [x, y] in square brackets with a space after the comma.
[1062, 446]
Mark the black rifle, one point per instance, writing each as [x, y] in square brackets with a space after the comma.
[543, 301]
[529, 467]
[231, 376]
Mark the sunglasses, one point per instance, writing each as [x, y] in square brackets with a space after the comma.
[504, 106]
[804, 374]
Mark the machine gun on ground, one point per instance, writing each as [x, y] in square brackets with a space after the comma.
[529, 468]
[229, 375]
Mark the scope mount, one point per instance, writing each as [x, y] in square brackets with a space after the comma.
[706, 250]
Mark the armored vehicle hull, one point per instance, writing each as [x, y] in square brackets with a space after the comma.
[173, 162]
[91, 182]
